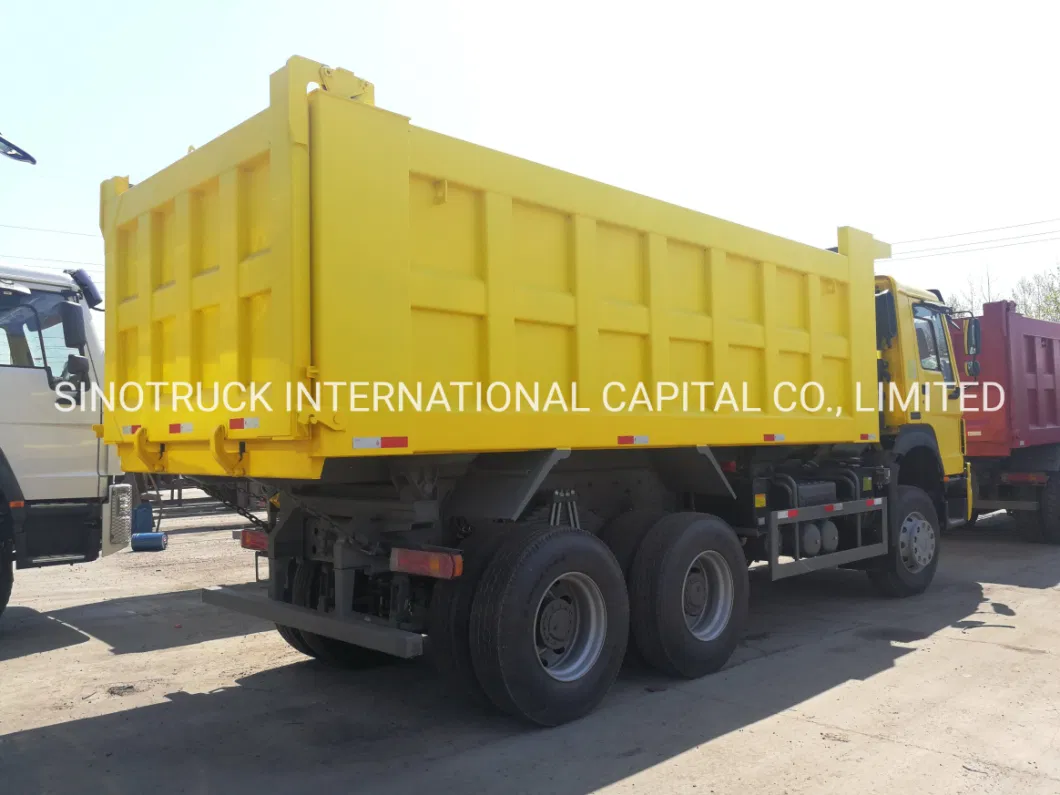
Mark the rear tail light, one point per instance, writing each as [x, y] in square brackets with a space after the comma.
[258, 540]
[440, 565]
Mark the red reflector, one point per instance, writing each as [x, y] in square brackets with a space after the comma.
[393, 441]
[174, 427]
[870, 502]
[236, 424]
[1024, 477]
[829, 508]
[792, 514]
[254, 539]
[17, 504]
[625, 440]
[440, 565]
[770, 437]
[728, 466]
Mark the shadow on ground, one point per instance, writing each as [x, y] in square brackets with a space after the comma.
[127, 625]
[394, 729]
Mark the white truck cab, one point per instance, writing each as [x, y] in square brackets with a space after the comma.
[60, 497]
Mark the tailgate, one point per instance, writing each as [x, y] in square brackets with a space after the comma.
[207, 277]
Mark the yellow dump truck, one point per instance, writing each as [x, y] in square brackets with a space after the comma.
[508, 417]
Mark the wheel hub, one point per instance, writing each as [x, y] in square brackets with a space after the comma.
[916, 542]
[695, 592]
[708, 595]
[556, 623]
[570, 626]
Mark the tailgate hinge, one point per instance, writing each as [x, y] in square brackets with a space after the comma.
[232, 463]
[150, 454]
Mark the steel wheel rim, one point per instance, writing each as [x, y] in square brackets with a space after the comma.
[707, 595]
[916, 542]
[570, 626]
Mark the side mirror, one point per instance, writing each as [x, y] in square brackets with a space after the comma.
[886, 320]
[77, 365]
[74, 334]
[972, 337]
[971, 368]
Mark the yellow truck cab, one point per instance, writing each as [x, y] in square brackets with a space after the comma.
[548, 419]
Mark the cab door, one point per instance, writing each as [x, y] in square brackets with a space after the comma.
[939, 394]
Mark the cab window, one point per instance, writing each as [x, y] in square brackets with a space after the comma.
[931, 343]
[31, 332]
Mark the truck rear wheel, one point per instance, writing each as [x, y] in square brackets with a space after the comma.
[909, 567]
[7, 576]
[549, 625]
[449, 618]
[294, 639]
[1049, 510]
[306, 593]
[689, 594]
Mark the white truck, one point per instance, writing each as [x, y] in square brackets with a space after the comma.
[61, 499]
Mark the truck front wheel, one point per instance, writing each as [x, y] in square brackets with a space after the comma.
[549, 625]
[909, 566]
[689, 594]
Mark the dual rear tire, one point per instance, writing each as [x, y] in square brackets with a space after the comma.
[550, 616]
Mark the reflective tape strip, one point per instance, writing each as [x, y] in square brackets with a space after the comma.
[790, 514]
[180, 427]
[244, 423]
[867, 437]
[773, 437]
[872, 502]
[129, 430]
[379, 442]
[632, 439]
[975, 433]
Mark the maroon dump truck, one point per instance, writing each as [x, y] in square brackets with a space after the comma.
[1013, 427]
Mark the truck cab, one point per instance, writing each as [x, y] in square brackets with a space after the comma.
[921, 419]
[59, 499]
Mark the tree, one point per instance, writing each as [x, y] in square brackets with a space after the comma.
[1038, 296]
[975, 293]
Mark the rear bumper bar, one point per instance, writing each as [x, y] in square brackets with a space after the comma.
[358, 631]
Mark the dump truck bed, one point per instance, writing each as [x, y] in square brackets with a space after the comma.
[328, 241]
[1020, 354]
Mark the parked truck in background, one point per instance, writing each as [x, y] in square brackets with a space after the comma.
[327, 241]
[59, 502]
[61, 499]
[1014, 427]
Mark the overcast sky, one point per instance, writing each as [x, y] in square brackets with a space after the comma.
[908, 120]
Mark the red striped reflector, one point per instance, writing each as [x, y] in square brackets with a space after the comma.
[773, 437]
[244, 423]
[379, 442]
[180, 427]
[789, 514]
[129, 430]
[868, 437]
[632, 439]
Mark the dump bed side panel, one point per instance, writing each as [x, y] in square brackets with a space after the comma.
[435, 260]
[1020, 354]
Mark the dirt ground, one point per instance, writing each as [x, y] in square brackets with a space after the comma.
[115, 678]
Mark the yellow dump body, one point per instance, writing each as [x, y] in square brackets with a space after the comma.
[328, 241]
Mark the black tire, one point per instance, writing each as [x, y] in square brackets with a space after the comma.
[505, 632]
[449, 616]
[7, 576]
[305, 592]
[294, 639]
[624, 533]
[1049, 510]
[658, 594]
[892, 576]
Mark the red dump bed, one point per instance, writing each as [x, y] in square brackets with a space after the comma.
[1021, 355]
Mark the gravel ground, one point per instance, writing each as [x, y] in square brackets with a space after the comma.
[115, 678]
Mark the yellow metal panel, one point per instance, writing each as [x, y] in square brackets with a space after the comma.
[326, 240]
